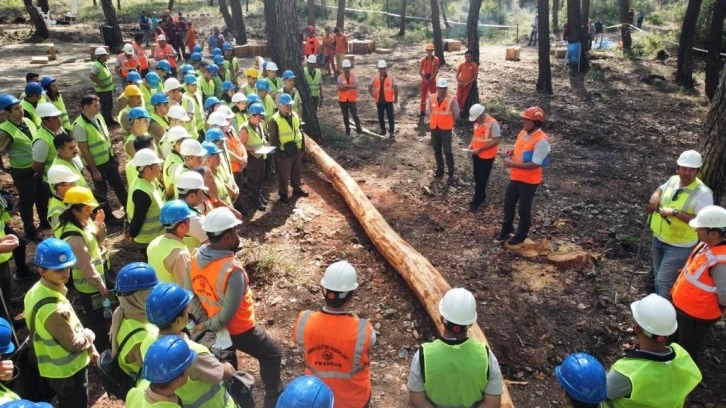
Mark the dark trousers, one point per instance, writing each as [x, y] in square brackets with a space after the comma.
[96, 322]
[259, 345]
[441, 142]
[32, 190]
[691, 333]
[350, 109]
[523, 193]
[107, 106]
[21, 266]
[482, 169]
[255, 176]
[72, 392]
[316, 104]
[387, 110]
[289, 171]
[110, 174]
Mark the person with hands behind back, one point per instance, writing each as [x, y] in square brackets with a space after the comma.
[483, 146]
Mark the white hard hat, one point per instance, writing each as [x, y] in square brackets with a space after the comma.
[217, 119]
[312, 59]
[340, 277]
[161, 37]
[381, 64]
[475, 111]
[171, 84]
[226, 111]
[219, 220]
[459, 307]
[271, 66]
[100, 51]
[690, 158]
[190, 180]
[711, 216]
[61, 174]
[47, 110]
[655, 314]
[239, 97]
[179, 113]
[346, 63]
[191, 147]
[175, 134]
[442, 83]
[146, 157]
[128, 48]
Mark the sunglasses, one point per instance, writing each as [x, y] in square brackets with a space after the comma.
[676, 194]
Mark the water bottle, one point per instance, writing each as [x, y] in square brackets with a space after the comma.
[107, 312]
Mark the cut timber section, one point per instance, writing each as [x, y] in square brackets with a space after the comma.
[425, 281]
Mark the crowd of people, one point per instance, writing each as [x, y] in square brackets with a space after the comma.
[201, 135]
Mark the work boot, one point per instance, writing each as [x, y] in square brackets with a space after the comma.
[301, 193]
[261, 206]
[391, 135]
[347, 132]
[502, 236]
[452, 180]
[515, 240]
[382, 132]
[439, 174]
[262, 199]
[473, 208]
[284, 199]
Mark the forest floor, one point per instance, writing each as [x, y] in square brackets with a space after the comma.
[615, 137]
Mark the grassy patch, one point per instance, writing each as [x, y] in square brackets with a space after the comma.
[263, 262]
[502, 111]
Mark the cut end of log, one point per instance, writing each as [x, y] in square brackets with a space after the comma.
[569, 256]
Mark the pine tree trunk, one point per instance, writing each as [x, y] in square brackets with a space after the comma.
[247, 6]
[284, 45]
[41, 29]
[170, 6]
[625, 26]
[240, 31]
[712, 143]
[713, 60]
[472, 29]
[109, 12]
[585, 15]
[402, 30]
[544, 80]
[228, 21]
[311, 13]
[555, 15]
[684, 72]
[438, 39]
[43, 4]
[443, 13]
[575, 31]
[341, 15]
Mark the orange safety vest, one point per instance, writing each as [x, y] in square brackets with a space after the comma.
[311, 45]
[128, 63]
[348, 95]
[524, 145]
[210, 284]
[165, 53]
[388, 92]
[329, 44]
[428, 66]
[336, 348]
[141, 55]
[235, 146]
[695, 292]
[482, 136]
[441, 115]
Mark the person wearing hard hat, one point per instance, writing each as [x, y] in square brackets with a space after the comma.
[454, 370]
[206, 81]
[332, 328]
[428, 70]
[266, 99]
[126, 62]
[251, 135]
[235, 155]
[583, 380]
[306, 392]
[164, 51]
[129, 326]
[163, 70]
[159, 123]
[103, 85]
[133, 78]
[443, 111]
[31, 77]
[7, 367]
[178, 117]
[210, 106]
[384, 90]
[63, 348]
[193, 97]
[192, 154]
[328, 52]
[220, 77]
[197, 62]
[672, 206]
[228, 89]
[466, 75]
[288, 87]
[218, 191]
[141, 53]
[33, 94]
[145, 201]
[191, 189]
[273, 80]
[150, 86]
[239, 108]
[43, 147]
[53, 95]
[230, 61]
[348, 97]
[654, 374]
[167, 253]
[173, 138]
[140, 142]
[61, 179]
[95, 144]
[312, 43]
[139, 120]
[223, 172]
[285, 134]
[249, 88]
[699, 293]
[314, 78]
[341, 47]
[135, 99]
[67, 149]
[483, 147]
[525, 163]
[215, 262]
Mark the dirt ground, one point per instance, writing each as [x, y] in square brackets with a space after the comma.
[615, 139]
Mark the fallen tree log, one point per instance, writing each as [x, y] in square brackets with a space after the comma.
[426, 282]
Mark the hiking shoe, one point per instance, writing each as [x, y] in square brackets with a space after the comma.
[284, 199]
[502, 236]
[382, 132]
[452, 180]
[439, 174]
[515, 240]
[473, 208]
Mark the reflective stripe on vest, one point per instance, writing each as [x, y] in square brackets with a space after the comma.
[162, 121]
[98, 139]
[388, 91]
[347, 95]
[126, 327]
[20, 150]
[128, 63]
[146, 92]
[275, 85]
[141, 55]
[285, 133]
[482, 137]
[124, 112]
[313, 81]
[235, 146]
[254, 140]
[269, 104]
[104, 75]
[678, 232]
[170, 167]
[207, 87]
[152, 227]
[61, 106]
[455, 375]
[45, 135]
[65, 232]
[56, 207]
[695, 292]
[29, 112]
[441, 115]
[525, 146]
[191, 125]
[6, 395]
[158, 250]
[136, 398]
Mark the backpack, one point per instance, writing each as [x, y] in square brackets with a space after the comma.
[115, 380]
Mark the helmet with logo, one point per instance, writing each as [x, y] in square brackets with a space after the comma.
[534, 113]
[54, 253]
[711, 216]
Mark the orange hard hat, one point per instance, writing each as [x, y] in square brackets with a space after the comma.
[430, 46]
[534, 113]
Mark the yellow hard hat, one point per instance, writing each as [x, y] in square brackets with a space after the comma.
[80, 195]
[252, 72]
[132, 90]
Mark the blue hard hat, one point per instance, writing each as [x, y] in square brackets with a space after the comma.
[213, 135]
[166, 359]
[138, 113]
[213, 69]
[46, 81]
[54, 253]
[211, 148]
[134, 77]
[252, 98]
[153, 79]
[219, 59]
[288, 74]
[33, 88]
[210, 102]
[306, 392]
[174, 212]
[216, 51]
[198, 48]
[228, 46]
[285, 99]
[165, 302]
[228, 86]
[26, 404]
[196, 56]
[164, 65]
[158, 98]
[134, 277]
[186, 69]
[256, 109]
[262, 85]
[190, 79]
[7, 101]
[583, 378]
[6, 337]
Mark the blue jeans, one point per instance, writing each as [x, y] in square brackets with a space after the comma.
[667, 262]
